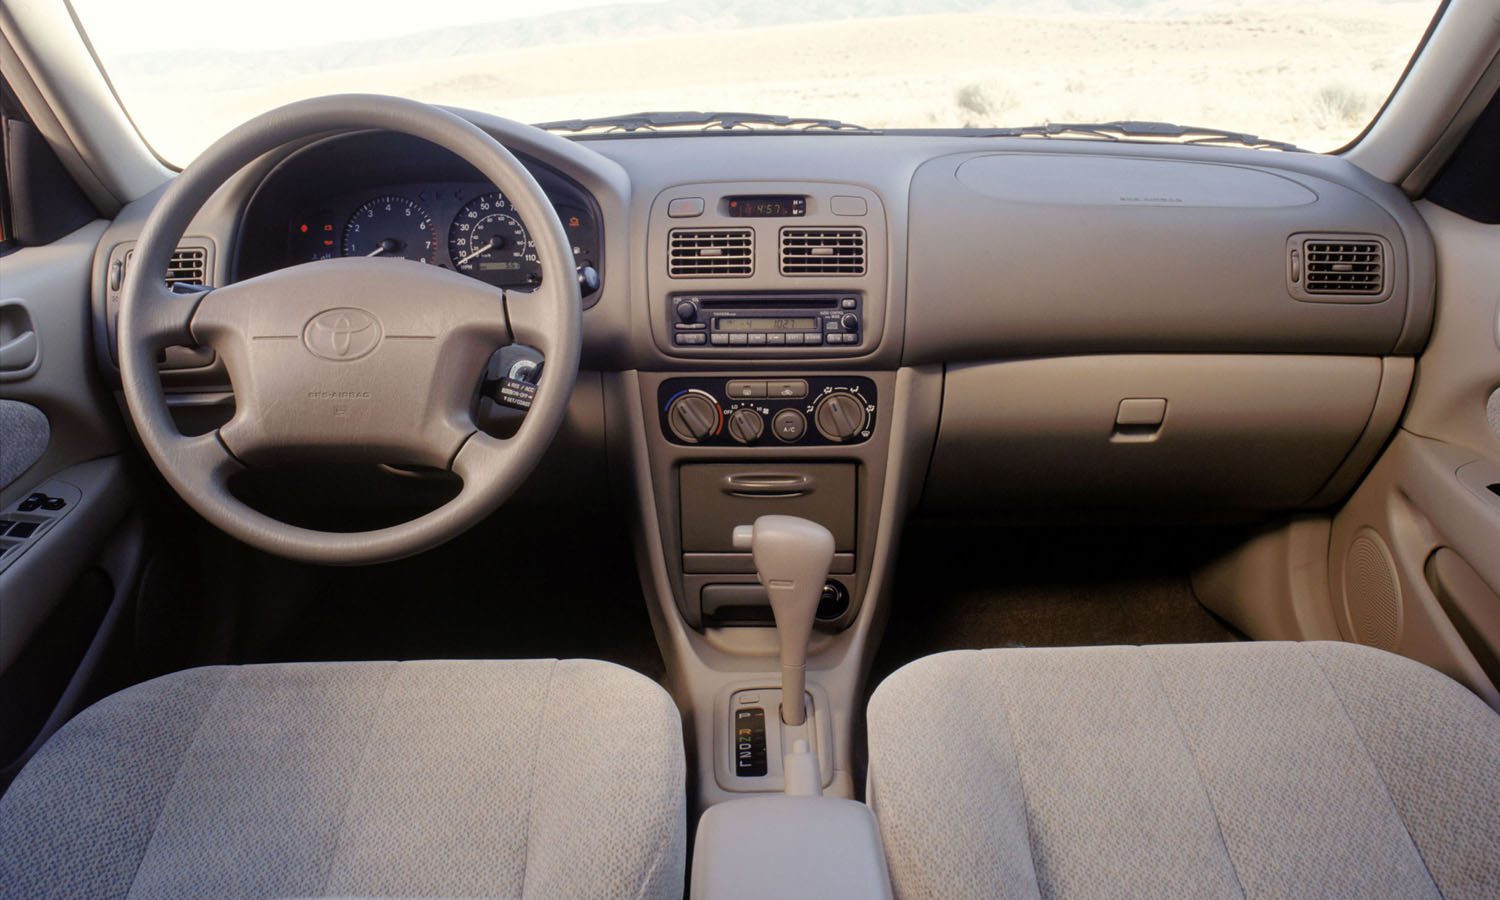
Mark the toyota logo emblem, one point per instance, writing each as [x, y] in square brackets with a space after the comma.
[342, 334]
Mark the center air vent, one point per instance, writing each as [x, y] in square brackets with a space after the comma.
[711, 253]
[822, 251]
[1338, 266]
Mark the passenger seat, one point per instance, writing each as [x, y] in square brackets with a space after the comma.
[1220, 770]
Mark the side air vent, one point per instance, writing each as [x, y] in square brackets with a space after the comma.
[1338, 267]
[710, 253]
[189, 265]
[822, 251]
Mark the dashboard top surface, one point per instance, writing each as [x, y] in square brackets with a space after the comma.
[930, 197]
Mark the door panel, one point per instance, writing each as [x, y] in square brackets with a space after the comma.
[68, 561]
[44, 291]
[1414, 559]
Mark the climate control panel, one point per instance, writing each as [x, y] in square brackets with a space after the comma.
[768, 411]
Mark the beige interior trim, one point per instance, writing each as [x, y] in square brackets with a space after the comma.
[63, 89]
[1428, 100]
[1432, 163]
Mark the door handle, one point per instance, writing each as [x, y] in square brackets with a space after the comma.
[18, 353]
[20, 347]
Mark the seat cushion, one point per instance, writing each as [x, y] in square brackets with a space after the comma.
[1223, 770]
[533, 778]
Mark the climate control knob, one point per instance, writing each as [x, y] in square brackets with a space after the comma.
[840, 416]
[746, 425]
[693, 417]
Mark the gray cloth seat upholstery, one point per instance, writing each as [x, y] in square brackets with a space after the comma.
[1227, 770]
[535, 778]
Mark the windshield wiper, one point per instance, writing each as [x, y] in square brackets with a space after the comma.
[705, 121]
[1114, 131]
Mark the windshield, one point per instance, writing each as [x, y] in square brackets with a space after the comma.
[1310, 73]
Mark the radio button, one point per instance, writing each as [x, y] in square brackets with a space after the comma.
[775, 339]
[758, 338]
[692, 338]
[848, 303]
[738, 338]
[789, 426]
[740, 390]
[783, 390]
[794, 338]
[812, 337]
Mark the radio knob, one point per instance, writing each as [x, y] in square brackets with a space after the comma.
[746, 425]
[840, 417]
[693, 417]
[687, 311]
[850, 321]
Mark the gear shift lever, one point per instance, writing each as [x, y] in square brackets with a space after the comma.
[792, 557]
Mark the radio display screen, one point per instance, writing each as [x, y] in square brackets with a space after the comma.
[768, 206]
[743, 323]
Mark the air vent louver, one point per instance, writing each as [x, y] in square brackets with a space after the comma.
[822, 251]
[710, 253]
[189, 265]
[1343, 267]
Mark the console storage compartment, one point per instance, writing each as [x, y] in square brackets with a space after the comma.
[779, 846]
[718, 496]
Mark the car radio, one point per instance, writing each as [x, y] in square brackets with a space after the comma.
[766, 319]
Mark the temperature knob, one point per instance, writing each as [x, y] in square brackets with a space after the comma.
[693, 417]
[840, 416]
[746, 425]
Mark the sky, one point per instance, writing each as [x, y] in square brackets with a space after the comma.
[117, 26]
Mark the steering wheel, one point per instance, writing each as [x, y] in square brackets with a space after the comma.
[349, 360]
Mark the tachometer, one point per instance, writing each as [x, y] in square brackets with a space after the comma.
[488, 241]
[391, 226]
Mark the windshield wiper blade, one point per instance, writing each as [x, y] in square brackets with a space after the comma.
[706, 121]
[1114, 131]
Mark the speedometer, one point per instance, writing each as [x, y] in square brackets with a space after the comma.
[488, 241]
[391, 226]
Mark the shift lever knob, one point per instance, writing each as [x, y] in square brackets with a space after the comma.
[792, 557]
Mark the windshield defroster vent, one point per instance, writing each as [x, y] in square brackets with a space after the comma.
[822, 251]
[1338, 267]
[710, 253]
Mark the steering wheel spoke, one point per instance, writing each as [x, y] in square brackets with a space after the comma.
[167, 319]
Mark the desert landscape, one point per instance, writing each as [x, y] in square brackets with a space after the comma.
[1310, 73]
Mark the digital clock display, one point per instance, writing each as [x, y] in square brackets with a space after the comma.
[769, 206]
[748, 324]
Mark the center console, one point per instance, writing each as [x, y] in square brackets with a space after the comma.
[776, 393]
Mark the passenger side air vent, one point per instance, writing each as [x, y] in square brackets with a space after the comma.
[822, 251]
[710, 253]
[1337, 266]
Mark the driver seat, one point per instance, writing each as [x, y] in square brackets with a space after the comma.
[526, 778]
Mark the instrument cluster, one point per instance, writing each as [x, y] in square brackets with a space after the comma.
[469, 227]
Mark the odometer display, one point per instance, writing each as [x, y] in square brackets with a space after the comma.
[391, 226]
[488, 241]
